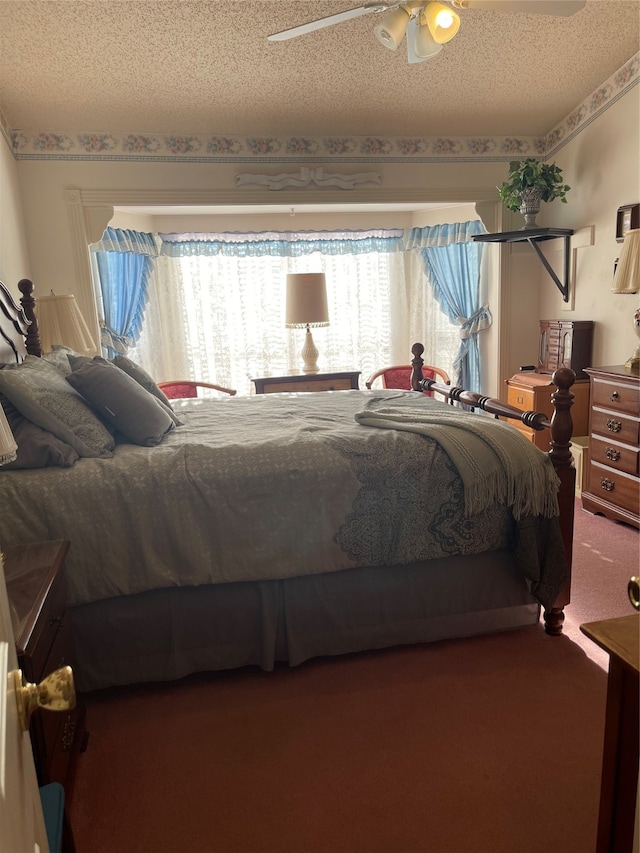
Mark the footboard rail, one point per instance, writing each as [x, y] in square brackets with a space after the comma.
[561, 430]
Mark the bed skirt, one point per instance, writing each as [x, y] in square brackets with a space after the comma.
[170, 633]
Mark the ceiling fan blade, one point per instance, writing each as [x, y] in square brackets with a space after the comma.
[561, 8]
[330, 20]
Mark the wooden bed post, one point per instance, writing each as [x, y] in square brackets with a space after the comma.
[32, 338]
[561, 429]
[560, 454]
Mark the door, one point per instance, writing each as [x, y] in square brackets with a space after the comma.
[21, 819]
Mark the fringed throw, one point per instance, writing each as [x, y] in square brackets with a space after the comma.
[496, 463]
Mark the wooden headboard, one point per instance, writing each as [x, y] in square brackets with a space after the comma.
[19, 334]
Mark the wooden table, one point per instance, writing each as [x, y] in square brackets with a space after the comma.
[619, 782]
[345, 381]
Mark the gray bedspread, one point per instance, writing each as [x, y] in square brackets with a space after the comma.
[258, 488]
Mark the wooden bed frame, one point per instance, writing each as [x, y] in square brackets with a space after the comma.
[561, 428]
[93, 622]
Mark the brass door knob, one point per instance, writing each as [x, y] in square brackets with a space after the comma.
[633, 589]
[56, 692]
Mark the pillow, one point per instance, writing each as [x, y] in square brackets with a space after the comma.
[58, 359]
[77, 361]
[37, 448]
[142, 377]
[40, 393]
[123, 402]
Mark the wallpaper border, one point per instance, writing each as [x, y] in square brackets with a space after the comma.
[157, 147]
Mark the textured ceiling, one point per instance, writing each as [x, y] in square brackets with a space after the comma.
[176, 66]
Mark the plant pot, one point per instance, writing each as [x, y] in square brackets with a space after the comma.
[530, 200]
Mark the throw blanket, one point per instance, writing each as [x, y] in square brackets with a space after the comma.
[496, 463]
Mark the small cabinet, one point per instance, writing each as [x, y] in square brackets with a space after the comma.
[44, 642]
[530, 391]
[565, 343]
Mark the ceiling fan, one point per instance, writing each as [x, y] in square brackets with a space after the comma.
[427, 24]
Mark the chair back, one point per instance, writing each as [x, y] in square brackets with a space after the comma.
[399, 376]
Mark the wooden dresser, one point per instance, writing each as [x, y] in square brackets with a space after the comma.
[348, 380]
[531, 392]
[614, 444]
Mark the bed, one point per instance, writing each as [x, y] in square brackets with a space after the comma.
[283, 527]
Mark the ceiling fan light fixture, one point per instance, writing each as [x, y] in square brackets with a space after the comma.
[420, 43]
[392, 27]
[442, 21]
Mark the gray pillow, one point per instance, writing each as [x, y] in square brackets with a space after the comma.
[122, 402]
[39, 391]
[37, 448]
[58, 358]
[148, 383]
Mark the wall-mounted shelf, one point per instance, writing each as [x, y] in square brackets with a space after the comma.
[533, 236]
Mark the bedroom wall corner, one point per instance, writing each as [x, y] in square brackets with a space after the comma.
[14, 255]
[602, 167]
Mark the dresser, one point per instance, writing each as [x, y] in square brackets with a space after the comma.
[614, 440]
[530, 391]
[44, 642]
[345, 381]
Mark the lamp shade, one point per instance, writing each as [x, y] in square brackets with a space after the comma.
[392, 27]
[306, 300]
[8, 446]
[627, 275]
[420, 42]
[60, 322]
[442, 21]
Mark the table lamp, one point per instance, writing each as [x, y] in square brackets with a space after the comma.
[60, 322]
[627, 280]
[307, 307]
[8, 446]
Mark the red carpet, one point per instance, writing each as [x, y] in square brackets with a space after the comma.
[469, 746]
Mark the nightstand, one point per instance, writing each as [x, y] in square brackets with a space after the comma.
[617, 820]
[531, 392]
[348, 380]
[44, 642]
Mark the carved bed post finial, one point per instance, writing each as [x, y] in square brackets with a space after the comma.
[32, 339]
[416, 365]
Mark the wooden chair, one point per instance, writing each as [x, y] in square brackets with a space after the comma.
[177, 388]
[399, 376]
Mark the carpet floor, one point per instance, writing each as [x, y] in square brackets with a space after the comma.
[491, 743]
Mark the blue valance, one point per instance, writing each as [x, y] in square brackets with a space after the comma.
[125, 240]
[291, 244]
[443, 235]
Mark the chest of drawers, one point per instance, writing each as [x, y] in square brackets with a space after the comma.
[613, 486]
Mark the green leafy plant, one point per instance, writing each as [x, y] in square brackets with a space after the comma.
[546, 177]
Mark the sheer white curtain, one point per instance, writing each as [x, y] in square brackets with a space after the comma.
[221, 319]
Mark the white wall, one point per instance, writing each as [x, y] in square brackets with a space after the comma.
[14, 258]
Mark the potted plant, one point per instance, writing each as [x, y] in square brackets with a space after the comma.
[529, 183]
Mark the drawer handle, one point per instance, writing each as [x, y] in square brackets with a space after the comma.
[607, 484]
[615, 396]
[613, 425]
[55, 621]
[612, 454]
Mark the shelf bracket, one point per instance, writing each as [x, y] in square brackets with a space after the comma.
[563, 286]
[533, 236]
